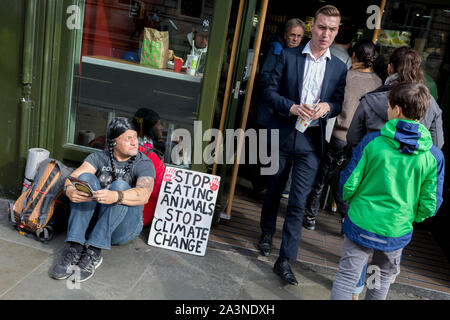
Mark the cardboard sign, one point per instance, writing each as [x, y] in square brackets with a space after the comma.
[184, 211]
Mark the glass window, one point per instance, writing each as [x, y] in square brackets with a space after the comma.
[421, 25]
[424, 28]
[141, 59]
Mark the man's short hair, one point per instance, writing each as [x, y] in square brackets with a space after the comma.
[328, 10]
[292, 23]
[412, 97]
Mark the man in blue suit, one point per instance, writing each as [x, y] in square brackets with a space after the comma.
[301, 77]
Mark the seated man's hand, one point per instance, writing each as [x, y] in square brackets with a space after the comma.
[77, 196]
[106, 196]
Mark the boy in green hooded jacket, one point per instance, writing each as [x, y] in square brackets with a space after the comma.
[394, 178]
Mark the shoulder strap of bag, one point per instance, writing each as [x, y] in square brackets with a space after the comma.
[41, 192]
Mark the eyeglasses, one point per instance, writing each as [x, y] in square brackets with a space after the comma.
[295, 36]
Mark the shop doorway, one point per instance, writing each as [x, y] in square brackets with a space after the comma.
[417, 25]
[238, 81]
[425, 265]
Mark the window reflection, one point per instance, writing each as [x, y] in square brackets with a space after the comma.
[140, 54]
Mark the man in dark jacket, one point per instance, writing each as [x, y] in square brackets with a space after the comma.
[293, 35]
[301, 76]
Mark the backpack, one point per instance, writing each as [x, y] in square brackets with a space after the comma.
[43, 208]
[150, 206]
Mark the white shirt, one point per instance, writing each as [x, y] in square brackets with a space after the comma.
[313, 77]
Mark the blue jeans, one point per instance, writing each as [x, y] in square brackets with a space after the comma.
[360, 285]
[114, 225]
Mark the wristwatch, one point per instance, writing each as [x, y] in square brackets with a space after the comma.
[120, 198]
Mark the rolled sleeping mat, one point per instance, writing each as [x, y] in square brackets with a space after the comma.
[35, 157]
[85, 136]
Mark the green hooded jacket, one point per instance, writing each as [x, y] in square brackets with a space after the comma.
[394, 178]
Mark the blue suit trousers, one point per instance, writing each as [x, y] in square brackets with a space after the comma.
[301, 150]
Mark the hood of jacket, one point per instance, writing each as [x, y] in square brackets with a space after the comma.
[377, 103]
[407, 136]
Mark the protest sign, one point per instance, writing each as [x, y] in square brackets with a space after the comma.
[184, 211]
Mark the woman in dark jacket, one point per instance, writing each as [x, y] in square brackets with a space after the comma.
[371, 114]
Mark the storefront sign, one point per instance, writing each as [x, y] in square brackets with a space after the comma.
[184, 211]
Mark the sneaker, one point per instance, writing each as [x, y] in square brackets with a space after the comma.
[63, 268]
[88, 263]
[285, 194]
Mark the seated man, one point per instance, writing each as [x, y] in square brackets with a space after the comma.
[122, 179]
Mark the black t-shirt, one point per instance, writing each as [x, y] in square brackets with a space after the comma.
[141, 167]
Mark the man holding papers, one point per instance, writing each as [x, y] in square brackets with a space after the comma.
[301, 77]
[122, 180]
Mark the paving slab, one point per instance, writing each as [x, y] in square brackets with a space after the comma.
[17, 262]
[32, 288]
[175, 275]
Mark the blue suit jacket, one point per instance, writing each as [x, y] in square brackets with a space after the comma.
[285, 86]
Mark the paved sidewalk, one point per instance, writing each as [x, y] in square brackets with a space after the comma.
[139, 271]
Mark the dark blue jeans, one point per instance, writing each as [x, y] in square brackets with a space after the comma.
[114, 225]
